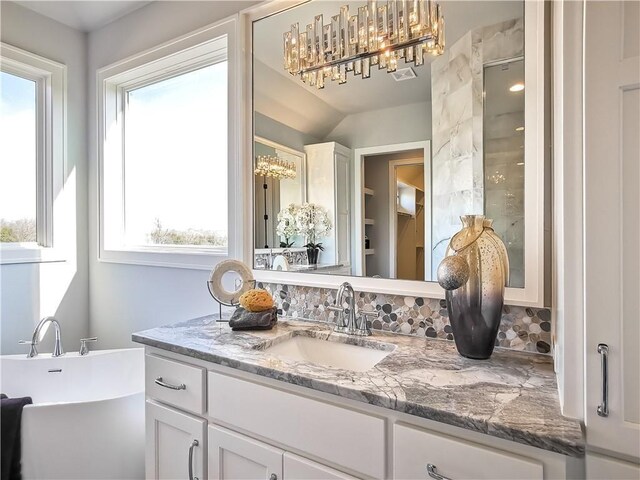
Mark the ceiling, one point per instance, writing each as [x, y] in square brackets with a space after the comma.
[85, 16]
[381, 90]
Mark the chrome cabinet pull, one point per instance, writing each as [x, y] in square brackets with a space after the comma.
[194, 444]
[603, 408]
[433, 472]
[273, 477]
[158, 381]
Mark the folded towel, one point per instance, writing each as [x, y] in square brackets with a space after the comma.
[245, 320]
[10, 420]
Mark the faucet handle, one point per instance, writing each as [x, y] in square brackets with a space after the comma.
[33, 351]
[341, 325]
[84, 350]
[363, 328]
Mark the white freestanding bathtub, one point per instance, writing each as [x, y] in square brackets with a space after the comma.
[87, 417]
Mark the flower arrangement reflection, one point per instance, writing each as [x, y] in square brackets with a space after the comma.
[313, 223]
[287, 227]
[308, 220]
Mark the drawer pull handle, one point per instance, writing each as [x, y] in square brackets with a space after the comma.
[603, 408]
[194, 444]
[273, 477]
[433, 472]
[158, 381]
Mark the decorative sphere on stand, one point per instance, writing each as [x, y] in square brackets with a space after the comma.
[453, 272]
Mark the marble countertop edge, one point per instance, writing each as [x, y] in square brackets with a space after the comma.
[564, 436]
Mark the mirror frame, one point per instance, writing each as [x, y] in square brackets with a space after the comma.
[533, 293]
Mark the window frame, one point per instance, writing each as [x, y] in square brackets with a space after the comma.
[51, 90]
[190, 52]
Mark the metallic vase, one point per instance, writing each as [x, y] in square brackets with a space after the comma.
[475, 291]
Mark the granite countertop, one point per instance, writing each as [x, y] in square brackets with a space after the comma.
[513, 395]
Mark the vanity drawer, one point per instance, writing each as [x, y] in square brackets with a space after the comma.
[176, 383]
[340, 436]
[414, 450]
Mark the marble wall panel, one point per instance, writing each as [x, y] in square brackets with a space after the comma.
[458, 165]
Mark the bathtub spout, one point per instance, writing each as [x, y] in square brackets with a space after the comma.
[57, 346]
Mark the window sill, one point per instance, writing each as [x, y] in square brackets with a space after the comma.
[169, 257]
[26, 253]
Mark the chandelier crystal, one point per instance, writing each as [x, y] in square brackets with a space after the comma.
[380, 34]
[270, 166]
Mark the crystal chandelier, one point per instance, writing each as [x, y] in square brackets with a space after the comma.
[380, 34]
[270, 166]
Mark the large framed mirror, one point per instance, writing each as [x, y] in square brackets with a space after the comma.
[391, 150]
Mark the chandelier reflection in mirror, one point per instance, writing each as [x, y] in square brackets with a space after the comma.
[270, 166]
[380, 34]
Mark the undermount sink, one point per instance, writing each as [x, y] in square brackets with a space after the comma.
[327, 353]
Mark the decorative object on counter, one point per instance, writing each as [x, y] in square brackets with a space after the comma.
[475, 304]
[453, 272]
[280, 263]
[256, 300]
[243, 319]
[313, 251]
[488, 227]
[378, 34]
[256, 311]
[312, 221]
[229, 298]
[286, 227]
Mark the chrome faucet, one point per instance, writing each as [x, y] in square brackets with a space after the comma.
[57, 346]
[84, 349]
[352, 325]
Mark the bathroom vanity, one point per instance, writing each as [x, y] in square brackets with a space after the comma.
[301, 401]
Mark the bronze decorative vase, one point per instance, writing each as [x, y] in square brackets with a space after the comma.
[474, 274]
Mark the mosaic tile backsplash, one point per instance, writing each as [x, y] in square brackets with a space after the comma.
[522, 328]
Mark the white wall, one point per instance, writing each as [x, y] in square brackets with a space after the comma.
[31, 291]
[402, 124]
[128, 298]
[277, 132]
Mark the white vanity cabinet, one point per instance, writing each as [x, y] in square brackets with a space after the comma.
[175, 444]
[300, 468]
[328, 185]
[612, 236]
[417, 452]
[259, 428]
[233, 456]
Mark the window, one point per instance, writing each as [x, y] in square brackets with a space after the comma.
[18, 162]
[167, 124]
[32, 91]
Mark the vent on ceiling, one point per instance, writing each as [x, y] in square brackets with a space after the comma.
[404, 74]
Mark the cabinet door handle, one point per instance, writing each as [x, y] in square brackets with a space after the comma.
[273, 477]
[158, 381]
[603, 350]
[433, 472]
[194, 444]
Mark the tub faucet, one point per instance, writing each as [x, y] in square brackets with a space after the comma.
[57, 346]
